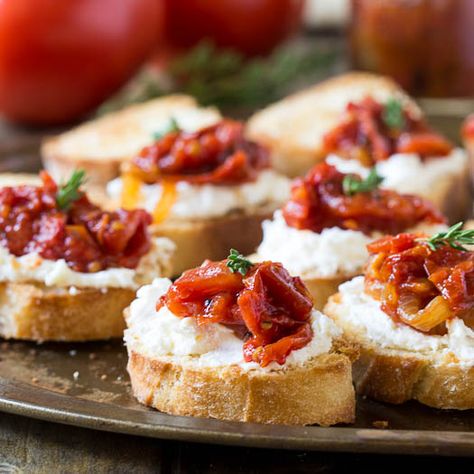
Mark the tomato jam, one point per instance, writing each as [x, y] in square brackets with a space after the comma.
[318, 202]
[218, 155]
[419, 286]
[267, 307]
[372, 132]
[86, 237]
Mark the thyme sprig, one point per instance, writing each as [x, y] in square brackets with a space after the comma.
[352, 184]
[69, 191]
[456, 237]
[393, 115]
[171, 127]
[238, 263]
[224, 78]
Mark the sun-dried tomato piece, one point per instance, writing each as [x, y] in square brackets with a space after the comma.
[318, 201]
[88, 238]
[419, 286]
[364, 134]
[219, 154]
[270, 307]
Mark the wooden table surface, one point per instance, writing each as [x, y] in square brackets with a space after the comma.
[33, 446]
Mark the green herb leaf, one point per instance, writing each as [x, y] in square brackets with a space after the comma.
[393, 115]
[171, 127]
[226, 79]
[352, 184]
[238, 263]
[456, 237]
[69, 192]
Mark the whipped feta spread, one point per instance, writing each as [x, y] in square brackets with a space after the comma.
[32, 267]
[407, 173]
[161, 333]
[208, 200]
[332, 253]
[360, 313]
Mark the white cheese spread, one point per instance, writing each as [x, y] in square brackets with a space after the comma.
[208, 201]
[362, 314]
[161, 333]
[33, 268]
[409, 174]
[332, 253]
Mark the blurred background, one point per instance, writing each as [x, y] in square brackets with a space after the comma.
[64, 61]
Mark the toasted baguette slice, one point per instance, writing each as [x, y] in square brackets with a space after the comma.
[35, 312]
[198, 240]
[293, 128]
[319, 392]
[101, 145]
[322, 289]
[396, 376]
[183, 368]
[15, 179]
[453, 196]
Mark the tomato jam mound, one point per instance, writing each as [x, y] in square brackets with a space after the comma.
[86, 237]
[267, 307]
[419, 286]
[218, 155]
[318, 202]
[371, 132]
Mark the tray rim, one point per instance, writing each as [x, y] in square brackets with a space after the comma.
[21, 398]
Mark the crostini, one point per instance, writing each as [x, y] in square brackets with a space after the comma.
[237, 341]
[412, 316]
[100, 146]
[322, 232]
[357, 121]
[67, 268]
[207, 190]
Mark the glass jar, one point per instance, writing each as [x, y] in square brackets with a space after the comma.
[425, 45]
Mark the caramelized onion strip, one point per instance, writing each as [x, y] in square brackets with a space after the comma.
[434, 313]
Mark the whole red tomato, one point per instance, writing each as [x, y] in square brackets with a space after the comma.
[251, 26]
[61, 58]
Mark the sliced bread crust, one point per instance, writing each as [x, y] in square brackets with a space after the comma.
[35, 312]
[100, 146]
[201, 239]
[320, 288]
[319, 392]
[396, 376]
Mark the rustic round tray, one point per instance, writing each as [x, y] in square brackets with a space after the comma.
[87, 385]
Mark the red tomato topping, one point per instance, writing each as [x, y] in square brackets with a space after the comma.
[88, 238]
[318, 202]
[419, 286]
[269, 308]
[218, 154]
[365, 135]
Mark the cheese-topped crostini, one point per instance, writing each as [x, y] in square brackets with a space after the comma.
[207, 190]
[357, 121]
[405, 151]
[321, 233]
[237, 341]
[412, 315]
[68, 268]
[101, 145]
